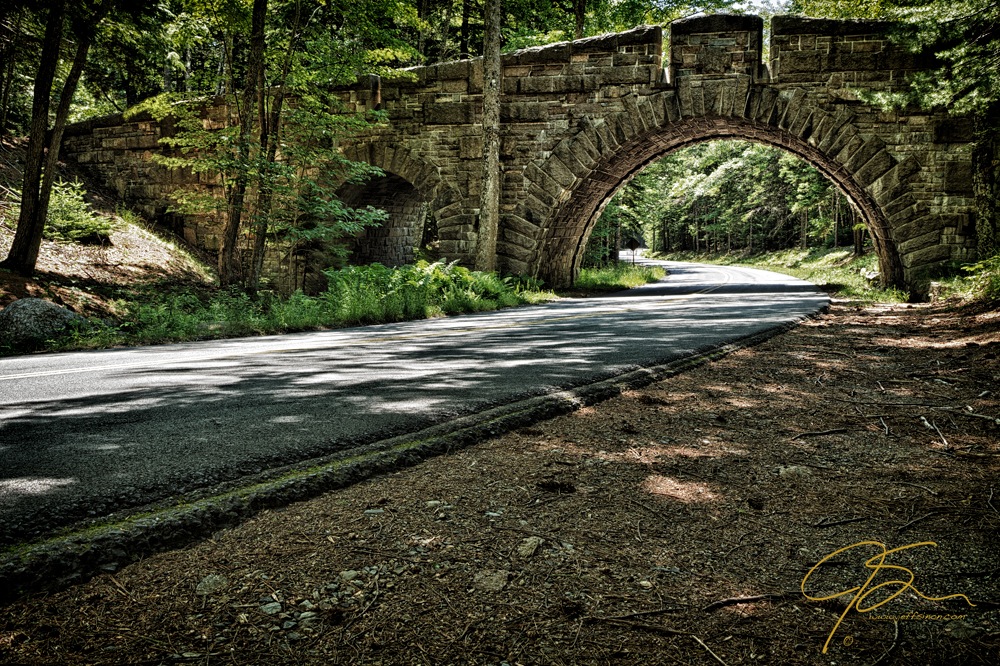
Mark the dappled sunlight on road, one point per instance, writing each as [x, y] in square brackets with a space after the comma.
[32, 485]
[197, 414]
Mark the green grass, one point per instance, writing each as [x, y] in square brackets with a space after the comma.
[837, 271]
[618, 276]
[356, 295]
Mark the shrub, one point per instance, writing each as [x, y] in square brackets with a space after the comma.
[985, 277]
[70, 219]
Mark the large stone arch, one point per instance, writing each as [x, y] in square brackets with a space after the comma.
[567, 192]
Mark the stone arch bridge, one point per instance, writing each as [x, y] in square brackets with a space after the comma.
[579, 119]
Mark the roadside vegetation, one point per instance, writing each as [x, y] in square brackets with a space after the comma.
[620, 275]
[842, 274]
[356, 295]
[835, 270]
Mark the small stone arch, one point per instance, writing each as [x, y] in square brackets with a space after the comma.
[568, 191]
[412, 192]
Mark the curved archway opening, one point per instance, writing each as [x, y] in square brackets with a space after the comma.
[394, 241]
[730, 198]
[568, 230]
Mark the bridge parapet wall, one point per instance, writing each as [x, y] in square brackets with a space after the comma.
[840, 53]
[717, 46]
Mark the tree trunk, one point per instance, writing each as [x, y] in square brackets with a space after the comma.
[580, 16]
[489, 203]
[836, 220]
[422, 10]
[985, 184]
[463, 39]
[229, 261]
[8, 56]
[24, 251]
[270, 131]
[84, 40]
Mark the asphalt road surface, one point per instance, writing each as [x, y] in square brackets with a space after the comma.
[84, 434]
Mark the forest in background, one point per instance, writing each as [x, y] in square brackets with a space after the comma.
[62, 62]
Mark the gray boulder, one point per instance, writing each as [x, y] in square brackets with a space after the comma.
[29, 322]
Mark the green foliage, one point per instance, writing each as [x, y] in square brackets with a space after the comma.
[356, 295]
[620, 275]
[535, 22]
[725, 195]
[375, 293]
[70, 218]
[984, 277]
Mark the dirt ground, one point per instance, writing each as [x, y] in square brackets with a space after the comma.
[680, 524]
[86, 278]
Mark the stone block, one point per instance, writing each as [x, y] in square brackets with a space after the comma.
[559, 172]
[455, 86]
[458, 69]
[958, 178]
[521, 226]
[550, 53]
[585, 149]
[835, 133]
[853, 61]
[798, 62]
[845, 144]
[874, 169]
[511, 266]
[524, 112]
[802, 126]
[793, 104]
[471, 148]
[886, 188]
[529, 85]
[574, 158]
[952, 130]
[925, 256]
[623, 75]
[476, 76]
[450, 113]
[716, 23]
[518, 239]
[604, 139]
[863, 154]
[784, 26]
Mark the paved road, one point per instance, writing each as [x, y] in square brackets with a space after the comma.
[83, 434]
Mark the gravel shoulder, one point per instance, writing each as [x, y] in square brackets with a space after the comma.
[674, 524]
